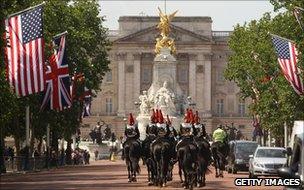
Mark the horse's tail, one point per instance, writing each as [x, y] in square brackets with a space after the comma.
[188, 161]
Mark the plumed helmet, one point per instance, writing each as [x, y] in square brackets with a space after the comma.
[160, 117]
[196, 118]
[191, 116]
[131, 120]
[153, 117]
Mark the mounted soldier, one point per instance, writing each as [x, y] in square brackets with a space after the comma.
[186, 130]
[132, 149]
[204, 153]
[172, 134]
[131, 132]
[199, 130]
[151, 134]
[160, 149]
[187, 151]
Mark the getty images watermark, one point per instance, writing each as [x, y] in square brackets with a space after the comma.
[266, 182]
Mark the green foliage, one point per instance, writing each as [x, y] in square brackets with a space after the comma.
[254, 67]
[87, 51]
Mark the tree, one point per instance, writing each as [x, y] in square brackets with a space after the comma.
[87, 51]
[253, 66]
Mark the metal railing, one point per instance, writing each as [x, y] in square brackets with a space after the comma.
[21, 163]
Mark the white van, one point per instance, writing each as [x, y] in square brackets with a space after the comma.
[296, 162]
[297, 140]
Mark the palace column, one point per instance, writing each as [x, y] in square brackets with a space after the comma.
[136, 76]
[121, 57]
[208, 82]
[192, 76]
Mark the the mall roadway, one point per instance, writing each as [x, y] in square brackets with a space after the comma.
[105, 175]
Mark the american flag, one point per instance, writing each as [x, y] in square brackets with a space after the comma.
[25, 52]
[57, 95]
[287, 57]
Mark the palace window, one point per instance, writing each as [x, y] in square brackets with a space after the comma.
[220, 107]
[183, 74]
[109, 106]
[146, 75]
[109, 76]
[219, 76]
[242, 108]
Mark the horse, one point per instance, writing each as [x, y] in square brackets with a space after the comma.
[161, 155]
[186, 138]
[132, 152]
[203, 160]
[219, 153]
[172, 140]
[203, 155]
[187, 159]
[151, 131]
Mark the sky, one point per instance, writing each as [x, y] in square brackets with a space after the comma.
[224, 14]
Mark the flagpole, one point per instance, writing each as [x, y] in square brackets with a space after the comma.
[48, 144]
[299, 8]
[57, 35]
[285, 135]
[27, 125]
[25, 10]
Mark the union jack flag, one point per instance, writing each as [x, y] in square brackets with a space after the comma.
[57, 95]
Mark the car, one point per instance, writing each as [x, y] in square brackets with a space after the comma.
[266, 161]
[238, 157]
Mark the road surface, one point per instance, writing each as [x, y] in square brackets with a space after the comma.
[106, 175]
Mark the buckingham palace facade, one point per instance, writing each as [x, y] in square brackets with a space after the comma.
[202, 55]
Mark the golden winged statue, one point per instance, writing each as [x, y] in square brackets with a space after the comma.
[164, 27]
[164, 24]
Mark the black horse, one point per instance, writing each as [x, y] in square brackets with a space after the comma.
[132, 153]
[151, 131]
[161, 154]
[186, 139]
[187, 158]
[203, 160]
[219, 153]
[203, 155]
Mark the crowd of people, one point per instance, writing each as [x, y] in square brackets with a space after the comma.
[80, 156]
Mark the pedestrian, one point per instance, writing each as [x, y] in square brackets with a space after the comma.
[62, 157]
[96, 154]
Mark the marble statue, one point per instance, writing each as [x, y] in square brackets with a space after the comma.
[164, 99]
[145, 104]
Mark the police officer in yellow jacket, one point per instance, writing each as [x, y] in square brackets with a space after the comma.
[219, 135]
